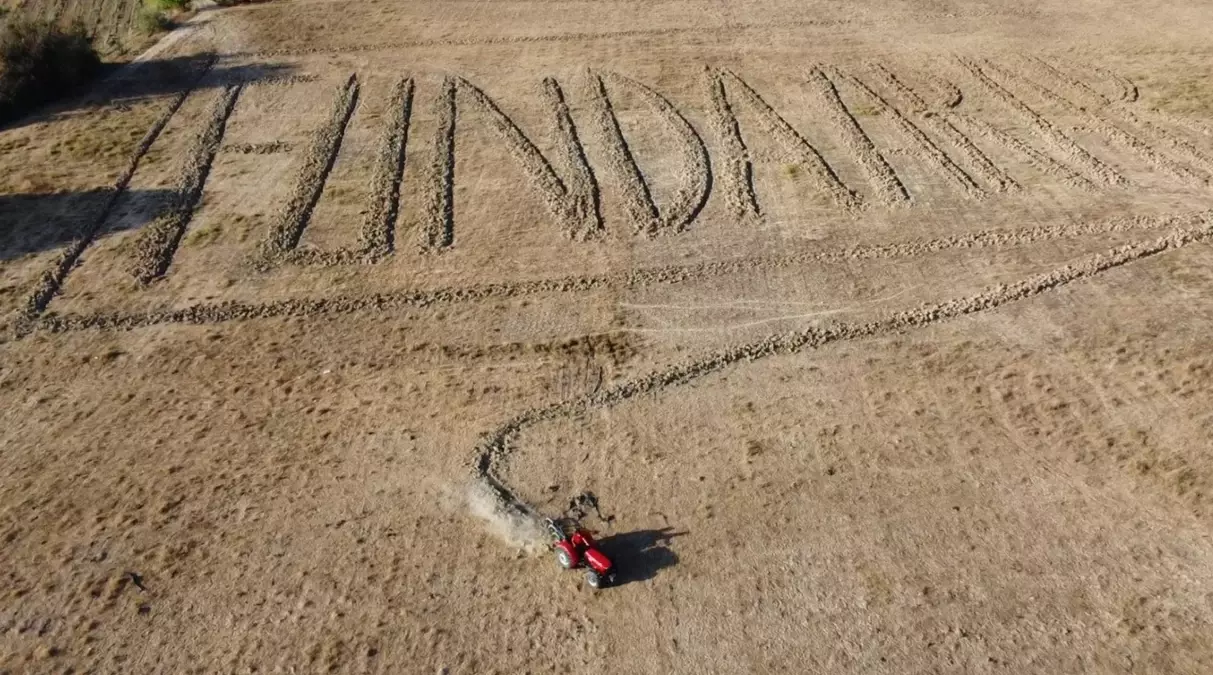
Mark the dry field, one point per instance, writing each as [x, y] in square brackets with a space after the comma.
[871, 337]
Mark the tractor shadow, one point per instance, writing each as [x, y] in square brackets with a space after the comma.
[640, 555]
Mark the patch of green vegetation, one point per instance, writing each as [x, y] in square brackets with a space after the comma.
[152, 21]
[157, 15]
[168, 6]
[203, 236]
[865, 111]
[1189, 93]
[40, 61]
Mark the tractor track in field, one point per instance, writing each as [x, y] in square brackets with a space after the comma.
[497, 445]
[268, 148]
[1127, 90]
[378, 230]
[695, 180]
[1042, 162]
[1092, 168]
[1113, 109]
[888, 187]
[1195, 156]
[573, 203]
[582, 182]
[377, 234]
[925, 149]
[158, 242]
[1009, 76]
[438, 195]
[51, 280]
[950, 95]
[797, 147]
[1192, 125]
[318, 162]
[1118, 110]
[216, 313]
[736, 176]
[637, 199]
[1064, 79]
[978, 162]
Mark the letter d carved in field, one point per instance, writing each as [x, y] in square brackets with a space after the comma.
[695, 174]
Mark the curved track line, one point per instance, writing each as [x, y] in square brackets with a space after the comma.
[497, 445]
[206, 314]
[637, 197]
[695, 178]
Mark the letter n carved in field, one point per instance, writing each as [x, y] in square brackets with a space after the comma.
[573, 201]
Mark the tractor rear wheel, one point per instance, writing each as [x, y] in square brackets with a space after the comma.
[592, 578]
[564, 559]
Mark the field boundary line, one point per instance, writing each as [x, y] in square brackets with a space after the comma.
[224, 312]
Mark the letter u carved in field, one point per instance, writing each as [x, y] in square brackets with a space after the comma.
[377, 236]
[573, 201]
[696, 171]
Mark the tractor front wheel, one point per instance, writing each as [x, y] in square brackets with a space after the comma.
[564, 559]
[592, 578]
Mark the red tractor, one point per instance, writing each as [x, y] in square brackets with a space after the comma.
[575, 547]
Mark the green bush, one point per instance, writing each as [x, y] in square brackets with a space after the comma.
[41, 61]
[152, 20]
[168, 6]
[157, 15]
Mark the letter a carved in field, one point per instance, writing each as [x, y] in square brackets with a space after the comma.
[727, 90]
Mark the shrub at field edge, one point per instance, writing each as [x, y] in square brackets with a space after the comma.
[158, 15]
[41, 61]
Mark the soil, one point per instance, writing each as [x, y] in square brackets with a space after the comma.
[869, 339]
